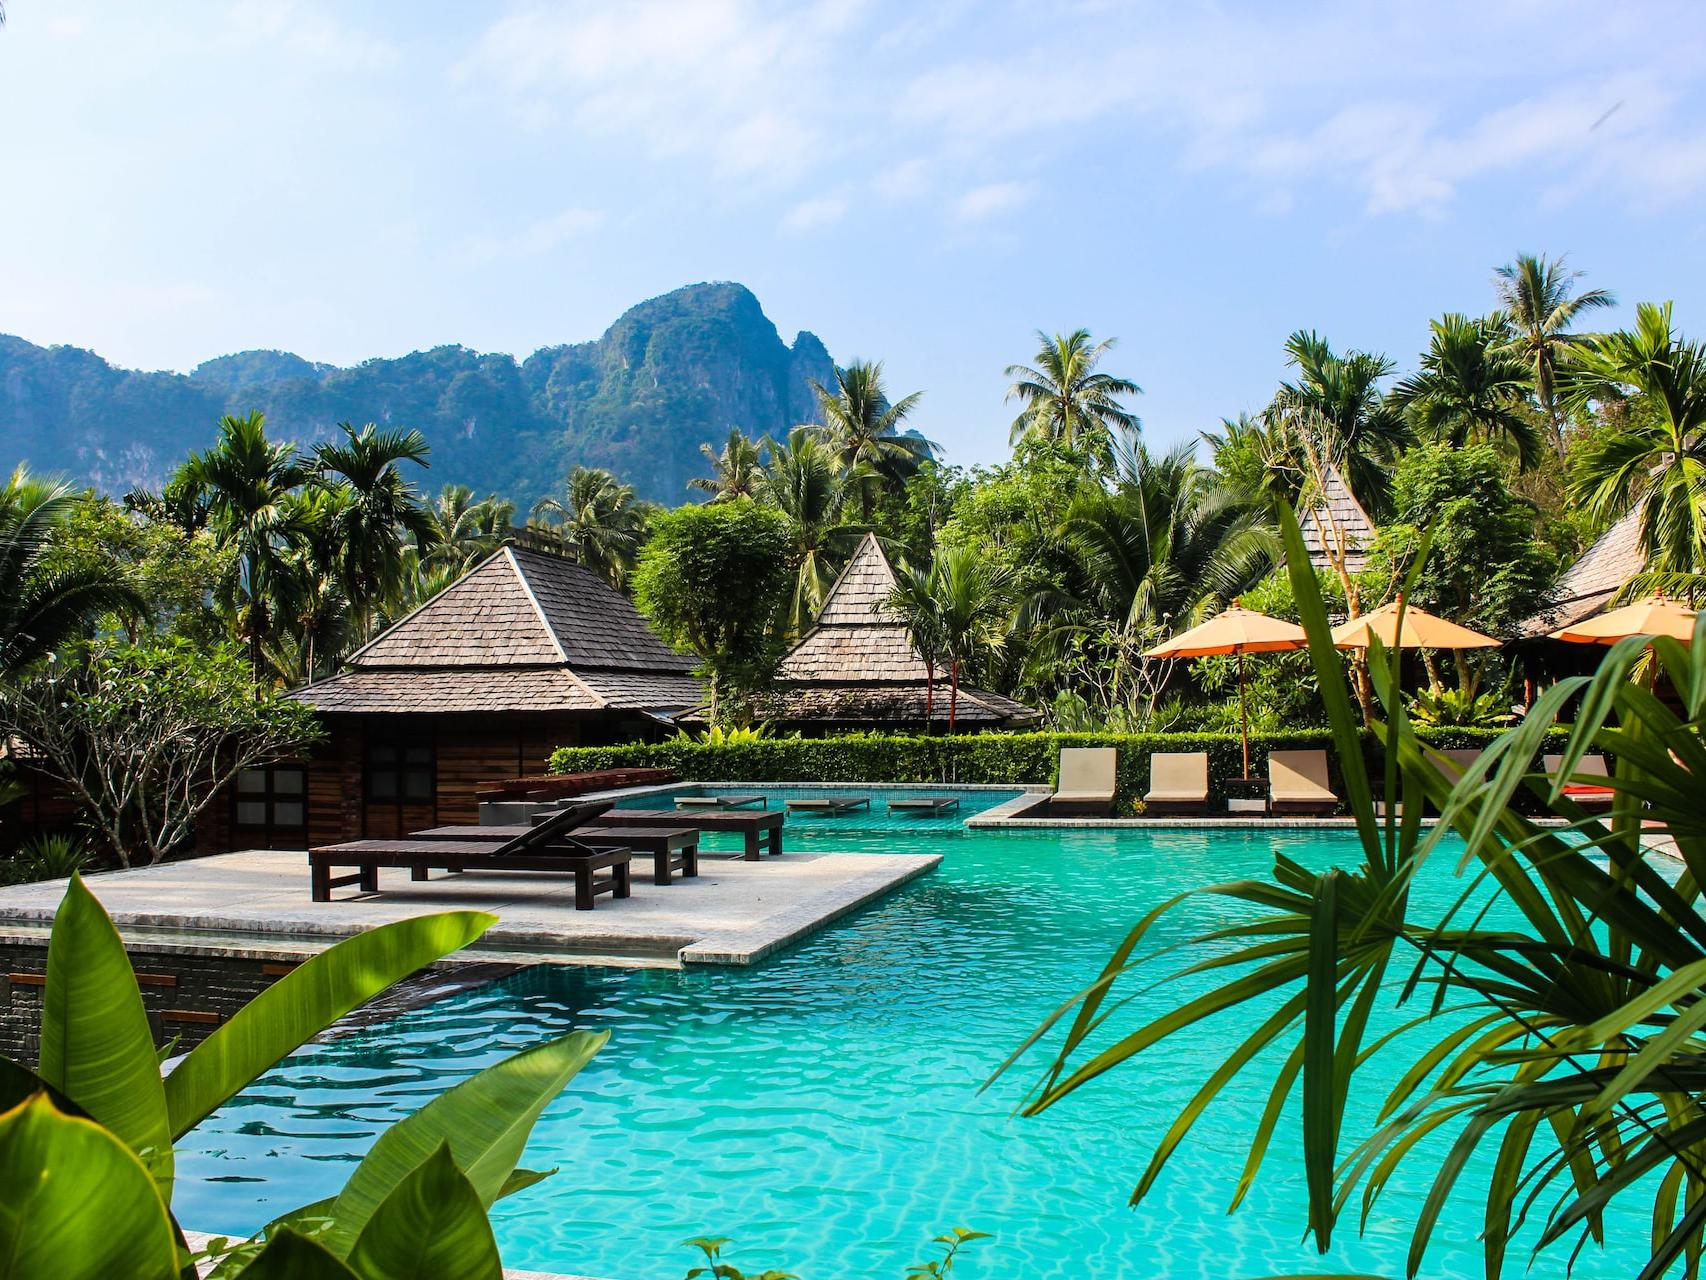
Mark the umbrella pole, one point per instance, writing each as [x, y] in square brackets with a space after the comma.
[1243, 714]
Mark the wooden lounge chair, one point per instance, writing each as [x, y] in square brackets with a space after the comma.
[744, 801]
[1590, 795]
[835, 807]
[1086, 781]
[1297, 783]
[583, 862]
[924, 804]
[1178, 782]
[760, 829]
[672, 850]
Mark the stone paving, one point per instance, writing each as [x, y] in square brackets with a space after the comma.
[734, 913]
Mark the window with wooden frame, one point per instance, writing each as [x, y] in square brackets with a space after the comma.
[401, 773]
[274, 795]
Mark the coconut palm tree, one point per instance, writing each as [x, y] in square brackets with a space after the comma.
[316, 599]
[863, 429]
[1472, 386]
[599, 521]
[973, 605]
[1168, 544]
[735, 472]
[1064, 397]
[1336, 417]
[466, 530]
[1536, 295]
[1657, 457]
[914, 599]
[382, 508]
[804, 481]
[244, 482]
[42, 607]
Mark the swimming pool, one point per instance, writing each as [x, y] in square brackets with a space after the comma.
[822, 1107]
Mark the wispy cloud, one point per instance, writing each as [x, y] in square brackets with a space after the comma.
[813, 214]
[991, 199]
[536, 238]
[310, 34]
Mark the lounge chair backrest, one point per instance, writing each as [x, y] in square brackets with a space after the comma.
[1088, 769]
[558, 825]
[1297, 772]
[1592, 763]
[1185, 772]
[1457, 761]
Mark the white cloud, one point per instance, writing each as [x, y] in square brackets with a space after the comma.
[991, 199]
[813, 214]
[904, 181]
[310, 34]
[536, 238]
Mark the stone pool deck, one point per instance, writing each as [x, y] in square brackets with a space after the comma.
[256, 903]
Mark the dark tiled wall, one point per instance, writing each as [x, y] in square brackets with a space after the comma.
[186, 996]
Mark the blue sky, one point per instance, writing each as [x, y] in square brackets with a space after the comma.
[924, 184]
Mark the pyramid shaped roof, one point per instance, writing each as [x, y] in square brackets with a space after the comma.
[521, 631]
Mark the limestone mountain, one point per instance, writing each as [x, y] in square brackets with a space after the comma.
[672, 373]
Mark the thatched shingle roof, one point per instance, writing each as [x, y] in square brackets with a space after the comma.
[858, 665]
[522, 631]
[1587, 586]
[1338, 520]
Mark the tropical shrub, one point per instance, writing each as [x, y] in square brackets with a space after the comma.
[86, 1140]
[52, 855]
[1571, 1042]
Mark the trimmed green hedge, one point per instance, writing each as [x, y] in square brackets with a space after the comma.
[1003, 758]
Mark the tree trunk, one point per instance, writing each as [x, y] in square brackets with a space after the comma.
[929, 696]
[953, 694]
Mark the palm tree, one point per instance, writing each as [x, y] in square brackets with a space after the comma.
[382, 508]
[316, 599]
[1471, 385]
[1064, 398]
[1167, 545]
[863, 429]
[973, 604]
[804, 482]
[466, 530]
[735, 472]
[1535, 294]
[599, 520]
[244, 482]
[1657, 458]
[42, 607]
[1334, 417]
[914, 600]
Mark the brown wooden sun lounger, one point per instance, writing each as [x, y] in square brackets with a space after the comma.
[924, 804]
[760, 829]
[1297, 783]
[835, 807]
[1178, 782]
[420, 857]
[672, 850]
[1590, 795]
[1086, 781]
[742, 801]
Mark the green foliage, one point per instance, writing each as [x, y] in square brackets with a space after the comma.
[1066, 398]
[1455, 707]
[48, 855]
[86, 1146]
[1472, 387]
[952, 1241]
[715, 1266]
[1485, 568]
[599, 520]
[143, 736]
[716, 580]
[1572, 1040]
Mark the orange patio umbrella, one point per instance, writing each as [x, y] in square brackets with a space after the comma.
[1654, 616]
[1240, 631]
[1421, 630]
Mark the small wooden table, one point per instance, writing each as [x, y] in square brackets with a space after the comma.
[671, 849]
[759, 829]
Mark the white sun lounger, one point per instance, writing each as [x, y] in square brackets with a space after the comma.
[1086, 781]
[1178, 782]
[1297, 782]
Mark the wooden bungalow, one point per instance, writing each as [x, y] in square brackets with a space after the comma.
[525, 653]
[1337, 527]
[857, 668]
[1587, 587]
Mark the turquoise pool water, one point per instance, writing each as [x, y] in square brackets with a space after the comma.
[822, 1107]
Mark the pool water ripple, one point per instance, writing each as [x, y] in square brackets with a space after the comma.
[823, 1107]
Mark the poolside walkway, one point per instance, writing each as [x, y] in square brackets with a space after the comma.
[256, 902]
